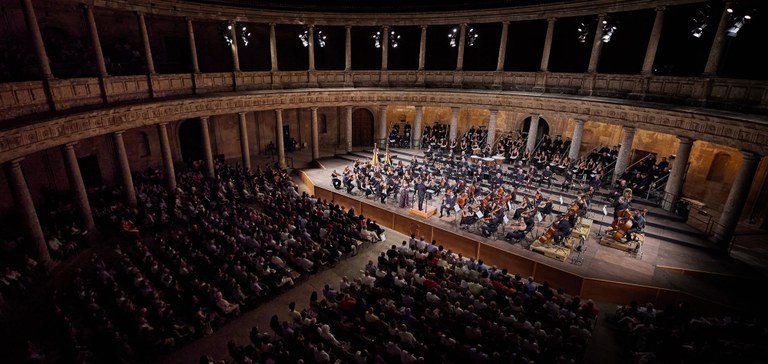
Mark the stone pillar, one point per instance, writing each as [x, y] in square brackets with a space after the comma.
[311, 48]
[37, 39]
[233, 47]
[145, 41]
[625, 151]
[533, 131]
[95, 43]
[653, 41]
[165, 150]
[273, 47]
[454, 124]
[716, 52]
[26, 210]
[674, 187]
[502, 46]
[125, 168]
[245, 148]
[315, 135]
[280, 141]
[578, 131]
[547, 44]
[416, 133]
[348, 49]
[210, 168]
[737, 198]
[384, 47]
[383, 130]
[491, 138]
[597, 45]
[423, 47]
[349, 129]
[462, 44]
[77, 186]
[192, 46]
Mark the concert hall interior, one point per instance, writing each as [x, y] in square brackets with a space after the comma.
[230, 181]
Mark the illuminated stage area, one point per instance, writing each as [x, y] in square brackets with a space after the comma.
[673, 262]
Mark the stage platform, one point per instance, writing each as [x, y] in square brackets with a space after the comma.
[598, 264]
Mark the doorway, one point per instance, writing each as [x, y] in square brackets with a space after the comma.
[362, 128]
[191, 141]
[90, 171]
[540, 132]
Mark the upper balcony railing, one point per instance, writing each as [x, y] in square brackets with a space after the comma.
[25, 99]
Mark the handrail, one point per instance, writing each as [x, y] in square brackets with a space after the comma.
[636, 163]
[656, 185]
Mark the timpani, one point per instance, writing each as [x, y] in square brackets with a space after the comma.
[475, 159]
[488, 161]
[499, 159]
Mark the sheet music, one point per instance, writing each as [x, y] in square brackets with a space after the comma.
[479, 214]
[561, 199]
[506, 219]
[539, 217]
[605, 210]
[509, 206]
[456, 208]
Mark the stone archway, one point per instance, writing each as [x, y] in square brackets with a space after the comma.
[362, 128]
[541, 131]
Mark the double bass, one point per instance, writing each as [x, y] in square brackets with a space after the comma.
[622, 224]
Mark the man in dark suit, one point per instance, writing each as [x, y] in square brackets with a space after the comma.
[421, 192]
[564, 229]
[336, 181]
[449, 200]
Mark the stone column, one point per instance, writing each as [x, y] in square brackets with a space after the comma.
[597, 45]
[716, 52]
[280, 141]
[423, 47]
[273, 47]
[233, 47]
[625, 151]
[578, 131]
[349, 129]
[491, 138]
[95, 43]
[77, 186]
[192, 46]
[26, 210]
[416, 132]
[462, 44]
[547, 44]
[348, 49]
[37, 39]
[315, 135]
[383, 130]
[653, 41]
[165, 150]
[210, 168]
[533, 132]
[245, 148]
[145, 40]
[674, 187]
[737, 198]
[502, 46]
[454, 124]
[125, 168]
[384, 47]
[311, 48]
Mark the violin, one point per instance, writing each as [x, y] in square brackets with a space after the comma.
[462, 199]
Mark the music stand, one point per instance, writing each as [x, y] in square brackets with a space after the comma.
[600, 229]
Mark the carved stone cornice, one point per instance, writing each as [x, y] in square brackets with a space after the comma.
[734, 130]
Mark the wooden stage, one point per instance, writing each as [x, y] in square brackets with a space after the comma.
[601, 272]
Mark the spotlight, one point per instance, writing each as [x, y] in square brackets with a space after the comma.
[225, 32]
[320, 38]
[394, 38]
[583, 30]
[304, 38]
[377, 39]
[245, 35]
[452, 37]
[609, 27]
[738, 22]
[700, 22]
[472, 37]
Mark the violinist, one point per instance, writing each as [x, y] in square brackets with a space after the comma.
[468, 217]
[521, 207]
[336, 180]
[495, 218]
[520, 227]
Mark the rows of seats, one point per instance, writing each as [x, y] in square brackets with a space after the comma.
[420, 303]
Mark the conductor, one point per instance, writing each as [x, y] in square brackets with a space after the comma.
[421, 191]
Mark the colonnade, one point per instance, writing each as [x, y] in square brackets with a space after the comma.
[713, 59]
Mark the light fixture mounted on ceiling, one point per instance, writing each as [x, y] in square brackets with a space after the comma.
[701, 21]
[583, 30]
[609, 27]
[738, 18]
[394, 38]
[320, 37]
[453, 37]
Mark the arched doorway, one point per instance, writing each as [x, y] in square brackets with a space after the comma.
[541, 132]
[362, 128]
[191, 141]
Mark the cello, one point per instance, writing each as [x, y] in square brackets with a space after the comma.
[624, 223]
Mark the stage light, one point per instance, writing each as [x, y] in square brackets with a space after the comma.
[609, 27]
[304, 38]
[245, 35]
[452, 35]
[701, 21]
[472, 37]
[583, 30]
[394, 38]
[320, 38]
[738, 22]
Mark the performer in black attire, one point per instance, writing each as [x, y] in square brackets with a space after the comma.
[421, 191]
